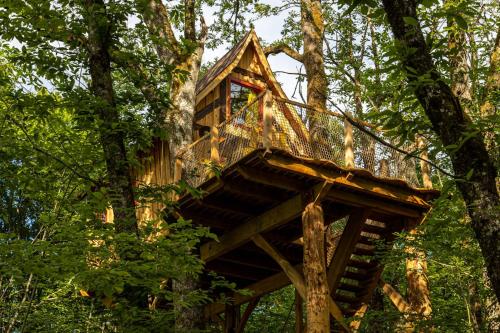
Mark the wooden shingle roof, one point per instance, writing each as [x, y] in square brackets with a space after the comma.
[223, 63]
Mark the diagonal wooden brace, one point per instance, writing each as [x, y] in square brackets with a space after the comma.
[296, 278]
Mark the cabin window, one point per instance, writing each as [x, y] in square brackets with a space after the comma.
[241, 94]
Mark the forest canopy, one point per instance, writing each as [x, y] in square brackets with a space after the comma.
[88, 86]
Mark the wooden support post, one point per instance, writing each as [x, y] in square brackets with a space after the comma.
[231, 318]
[214, 145]
[318, 319]
[246, 315]
[177, 175]
[299, 313]
[348, 144]
[177, 170]
[384, 168]
[424, 166]
[297, 279]
[267, 120]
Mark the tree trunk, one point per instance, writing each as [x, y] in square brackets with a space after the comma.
[459, 67]
[183, 95]
[469, 157]
[111, 133]
[188, 318]
[318, 319]
[313, 58]
[178, 119]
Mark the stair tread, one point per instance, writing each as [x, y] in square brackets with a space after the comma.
[362, 264]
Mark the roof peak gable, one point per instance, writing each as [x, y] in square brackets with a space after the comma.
[225, 65]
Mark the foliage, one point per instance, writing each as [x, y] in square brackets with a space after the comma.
[60, 269]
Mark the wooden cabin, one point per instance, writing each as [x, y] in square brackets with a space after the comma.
[273, 165]
[233, 82]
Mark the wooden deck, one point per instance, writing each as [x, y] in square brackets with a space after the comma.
[265, 193]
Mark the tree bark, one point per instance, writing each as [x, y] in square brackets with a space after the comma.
[111, 133]
[188, 318]
[313, 58]
[468, 156]
[318, 319]
[459, 66]
[178, 118]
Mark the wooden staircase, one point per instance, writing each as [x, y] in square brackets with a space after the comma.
[363, 268]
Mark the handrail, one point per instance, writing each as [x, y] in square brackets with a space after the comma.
[335, 114]
[229, 141]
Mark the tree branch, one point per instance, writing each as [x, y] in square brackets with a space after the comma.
[155, 16]
[140, 80]
[283, 48]
[189, 20]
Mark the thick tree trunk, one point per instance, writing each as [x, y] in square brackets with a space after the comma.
[178, 119]
[188, 318]
[183, 95]
[112, 135]
[318, 319]
[469, 156]
[313, 58]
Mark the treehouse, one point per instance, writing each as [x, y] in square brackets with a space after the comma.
[260, 159]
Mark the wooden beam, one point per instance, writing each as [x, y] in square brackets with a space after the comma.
[348, 240]
[376, 204]
[226, 207]
[251, 190]
[267, 221]
[395, 297]
[205, 220]
[250, 260]
[373, 187]
[237, 271]
[246, 315]
[297, 279]
[358, 316]
[275, 180]
[257, 289]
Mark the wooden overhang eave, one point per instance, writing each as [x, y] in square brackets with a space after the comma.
[359, 181]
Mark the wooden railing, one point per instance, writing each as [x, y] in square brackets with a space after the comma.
[301, 131]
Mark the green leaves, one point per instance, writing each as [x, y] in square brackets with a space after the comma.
[410, 21]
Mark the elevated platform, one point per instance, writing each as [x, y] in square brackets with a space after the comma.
[265, 194]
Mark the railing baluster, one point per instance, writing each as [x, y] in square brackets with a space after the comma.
[267, 120]
[177, 170]
[348, 144]
[214, 145]
[424, 166]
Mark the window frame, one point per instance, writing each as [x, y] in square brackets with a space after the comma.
[256, 89]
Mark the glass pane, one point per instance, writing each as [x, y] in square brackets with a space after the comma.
[241, 96]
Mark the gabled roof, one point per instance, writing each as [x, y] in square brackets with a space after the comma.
[230, 60]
